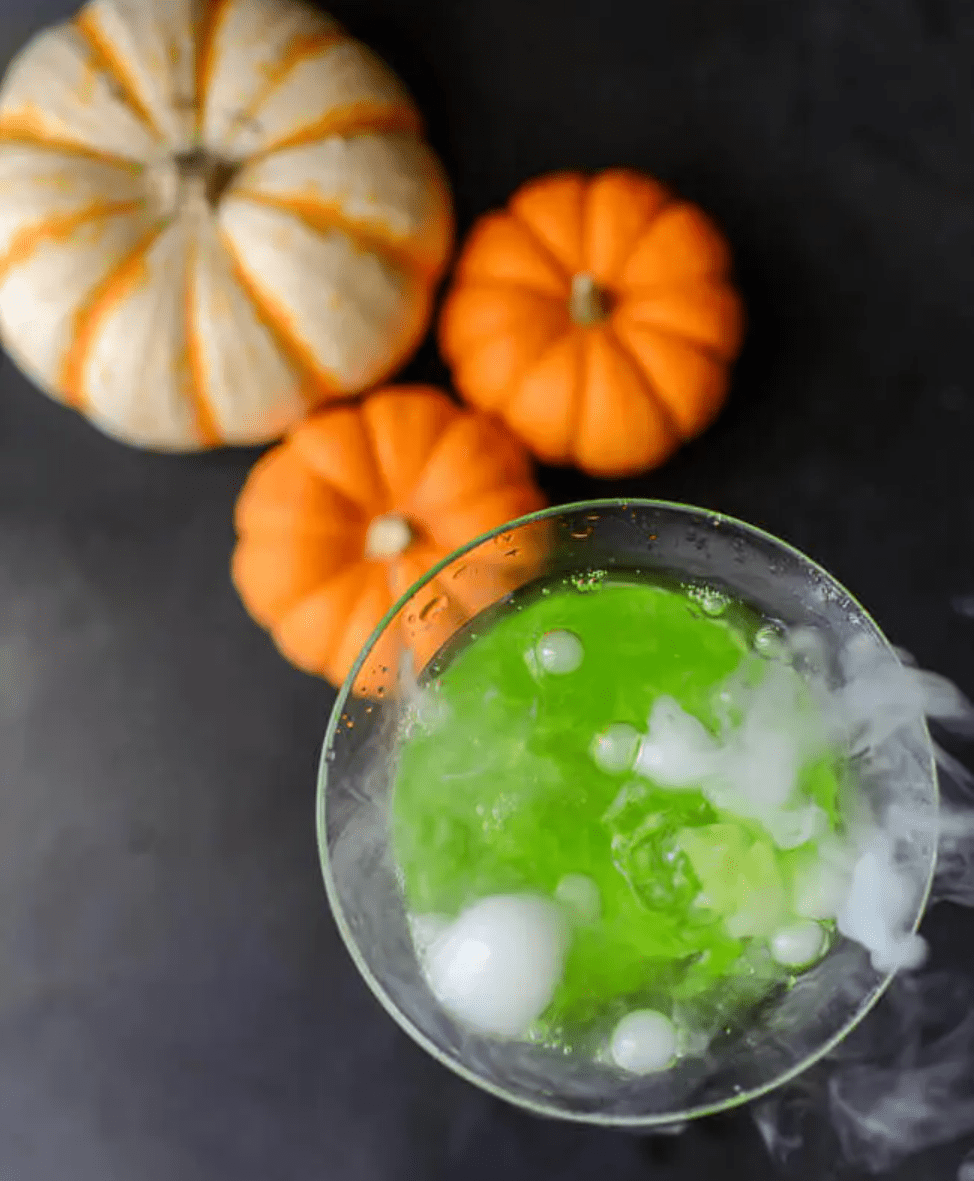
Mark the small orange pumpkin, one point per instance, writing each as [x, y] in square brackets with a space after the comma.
[597, 317]
[358, 502]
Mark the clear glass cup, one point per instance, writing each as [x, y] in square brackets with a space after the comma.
[796, 1026]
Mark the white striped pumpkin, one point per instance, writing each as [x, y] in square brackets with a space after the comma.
[214, 215]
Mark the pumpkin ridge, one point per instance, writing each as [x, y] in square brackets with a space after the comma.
[206, 34]
[115, 67]
[538, 243]
[515, 476]
[300, 49]
[701, 346]
[27, 240]
[20, 134]
[653, 390]
[498, 288]
[731, 342]
[359, 118]
[369, 430]
[350, 582]
[575, 410]
[203, 410]
[322, 218]
[104, 296]
[721, 273]
[497, 401]
[317, 386]
[588, 213]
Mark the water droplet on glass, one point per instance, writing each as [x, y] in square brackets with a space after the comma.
[510, 553]
[433, 608]
[459, 570]
[580, 532]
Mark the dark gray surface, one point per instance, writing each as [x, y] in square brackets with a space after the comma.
[174, 998]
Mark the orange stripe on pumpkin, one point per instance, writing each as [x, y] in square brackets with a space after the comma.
[197, 385]
[115, 65]
[322, 217]
[300, 49]
[106, 295]
[316, 386]
[57, 229]
[206, 34]
[357, 119]
[19, 129]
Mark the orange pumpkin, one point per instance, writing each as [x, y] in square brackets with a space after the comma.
[358, 502]
[597, 317]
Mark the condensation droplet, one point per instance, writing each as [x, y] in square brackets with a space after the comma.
[580, 531]
[459, 570]
[436, 606]
[511, 553]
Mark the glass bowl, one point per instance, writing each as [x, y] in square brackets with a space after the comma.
[799, 1024]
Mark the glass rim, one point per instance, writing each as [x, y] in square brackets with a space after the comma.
[649, 1120]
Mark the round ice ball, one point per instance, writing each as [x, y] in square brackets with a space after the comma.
[579, 894]
[615, 748]
[799, 944]
[559, 652]
[498, 964]
[644, 1041]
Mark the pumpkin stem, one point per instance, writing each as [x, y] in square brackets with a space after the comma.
[213, 174]
[387, 536]
[588, 303]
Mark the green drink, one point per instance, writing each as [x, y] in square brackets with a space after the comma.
[581, 751]
[691, 847]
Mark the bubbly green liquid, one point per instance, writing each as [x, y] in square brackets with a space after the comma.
[505, 796]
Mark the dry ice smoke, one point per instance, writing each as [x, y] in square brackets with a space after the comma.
[903, 1081]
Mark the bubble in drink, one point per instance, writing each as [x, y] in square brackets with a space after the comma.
[644, 1042]
[615, 748]
[559, 652]
[580, 895]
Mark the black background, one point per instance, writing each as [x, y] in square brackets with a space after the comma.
[175, 1001]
